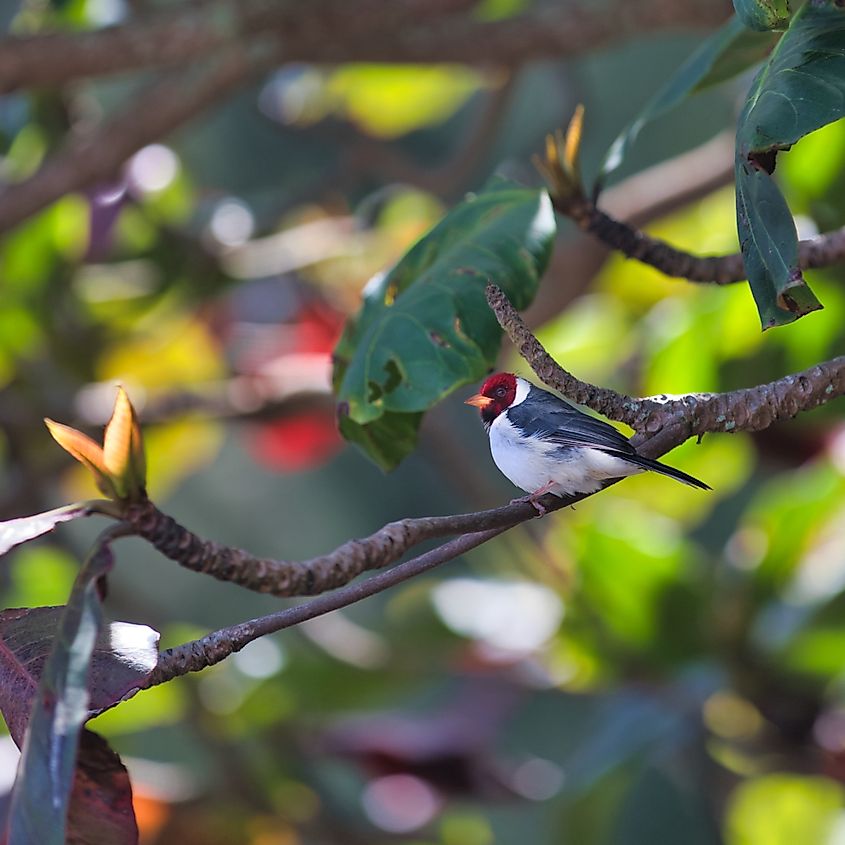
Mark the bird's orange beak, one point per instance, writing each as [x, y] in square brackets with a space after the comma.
[479, 401]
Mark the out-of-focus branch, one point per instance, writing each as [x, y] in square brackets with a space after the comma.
[332, 31]
[97, 155]
[200, 28]
[749, 409]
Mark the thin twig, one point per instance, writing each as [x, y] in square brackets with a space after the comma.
[213, 648]
[821, 251]
[155, 112]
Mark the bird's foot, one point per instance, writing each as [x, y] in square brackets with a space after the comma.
[533, 498]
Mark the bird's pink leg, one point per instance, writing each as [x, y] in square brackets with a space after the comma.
[533, 497]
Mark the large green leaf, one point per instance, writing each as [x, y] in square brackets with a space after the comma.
[799, 90]
[730, 50]
[425, 327]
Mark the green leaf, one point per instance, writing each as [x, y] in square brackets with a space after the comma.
[799, 90]
[425, 328]
[769, 244]
[386, 440]
[730, 50]
[763, 15]
[782, 809]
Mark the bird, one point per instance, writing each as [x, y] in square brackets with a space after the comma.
[542, 444]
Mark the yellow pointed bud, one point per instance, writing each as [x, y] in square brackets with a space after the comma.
[572, 144]
[123, 448]
[86, 451]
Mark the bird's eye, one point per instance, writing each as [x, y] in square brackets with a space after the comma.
[500, 391]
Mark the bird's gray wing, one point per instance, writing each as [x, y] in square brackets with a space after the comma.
[556, 421]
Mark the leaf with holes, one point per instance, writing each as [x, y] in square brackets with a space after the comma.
[800, 89]
[425, 328]
[726, 53]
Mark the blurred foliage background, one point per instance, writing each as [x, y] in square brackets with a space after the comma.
[653, 666]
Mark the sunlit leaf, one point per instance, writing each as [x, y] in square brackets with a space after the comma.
[391, 100]
[13, 532]
[425, 328]
[783, 809]
[763, 15]
[123, 655]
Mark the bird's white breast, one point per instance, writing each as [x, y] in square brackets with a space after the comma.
[531, 462]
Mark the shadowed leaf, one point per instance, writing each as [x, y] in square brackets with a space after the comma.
[726, 53]
[424, 328]
[799, 90]
[100, 811]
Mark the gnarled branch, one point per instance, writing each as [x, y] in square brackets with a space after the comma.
[749, 409]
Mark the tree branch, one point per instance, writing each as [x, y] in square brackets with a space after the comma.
[749, 409]
[211, 649]
[820, 251]
[156, 111]
[214, 647]
[334, 31]
[663, 423]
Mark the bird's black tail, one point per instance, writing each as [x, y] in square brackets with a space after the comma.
[656, 466]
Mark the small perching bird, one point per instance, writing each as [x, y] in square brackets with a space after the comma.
[543, 444]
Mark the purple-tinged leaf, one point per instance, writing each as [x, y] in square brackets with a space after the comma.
[41, 795]
[100, 811]
[124, 655]
[13, 532]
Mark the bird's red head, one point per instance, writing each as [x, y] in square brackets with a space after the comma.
[496, 395]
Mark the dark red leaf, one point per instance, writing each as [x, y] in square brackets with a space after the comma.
[124, 654]
[100, 810]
